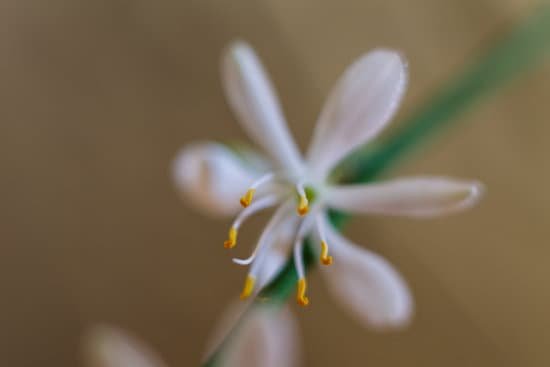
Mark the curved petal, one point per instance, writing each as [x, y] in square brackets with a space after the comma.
[279, 251]
[413, 197]
[252, 98]
[366, 284]
[267, 338]
[275, 260]
[272, 240]
[108, 346]
[357, 109]
[213, 177]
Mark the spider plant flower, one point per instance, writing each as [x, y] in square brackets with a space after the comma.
[299, 186]
[267, 338]
[110, 346]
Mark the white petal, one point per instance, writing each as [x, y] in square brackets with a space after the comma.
[414, 197]
[271, 266]
[366, 284]
[251, 96]
[267, 338]
[357, 109]
[279, 251]
[274, 238]
[213, 177]
[225, 324]
[107, 346]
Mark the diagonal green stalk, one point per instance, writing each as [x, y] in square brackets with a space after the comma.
[519, 51]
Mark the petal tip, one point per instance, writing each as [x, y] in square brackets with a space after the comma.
[388, 52]
[391, 55]
[237, 49]
[183, 166]
[238, 44]
[398, 318]
[476, 191]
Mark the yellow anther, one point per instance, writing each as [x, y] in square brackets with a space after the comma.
[303, 206]
[325, 258]
[232, 240]
[246, 199]
[248, 287]
[301, 294]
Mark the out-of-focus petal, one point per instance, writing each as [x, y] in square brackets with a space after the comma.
[414, 196]
[267, 338]
[213, 177]
[225, 324]
[108, 346]
[251, 96]
[366, 284]
[358, 108]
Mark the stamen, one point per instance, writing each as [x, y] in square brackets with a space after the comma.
[325, 258]
[248, 287]
[301, 293]
[247, 212]
[232, 240]
[246, 199]
[299, 263]
[246, 261]
[303, 205]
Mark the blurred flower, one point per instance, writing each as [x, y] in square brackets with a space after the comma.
[358, 108]
[108, 346]
[266, 338]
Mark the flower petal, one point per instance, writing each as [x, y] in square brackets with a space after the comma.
[251, 96]
[213, 177]
[278, 253]
[414, 196]
[108, 346]
[272, 265]
[366, 284]
[274, 241]
[224, 325]
[267, 338]
[357, 109]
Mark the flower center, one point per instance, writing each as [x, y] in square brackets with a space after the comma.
[273, 189]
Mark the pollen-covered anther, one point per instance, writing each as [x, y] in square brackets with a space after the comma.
[326, 259]
[248, 287]
[301, 293]
[303, 206]
[246, 199]
[232, 238]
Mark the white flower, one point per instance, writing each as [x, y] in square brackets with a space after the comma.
[109, 346]
[358, 108]
[267, 337]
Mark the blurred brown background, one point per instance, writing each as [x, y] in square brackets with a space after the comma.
[98, 95]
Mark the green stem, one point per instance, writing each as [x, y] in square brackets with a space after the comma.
[524, 47]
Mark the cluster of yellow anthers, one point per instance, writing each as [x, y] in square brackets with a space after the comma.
[302, 209]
